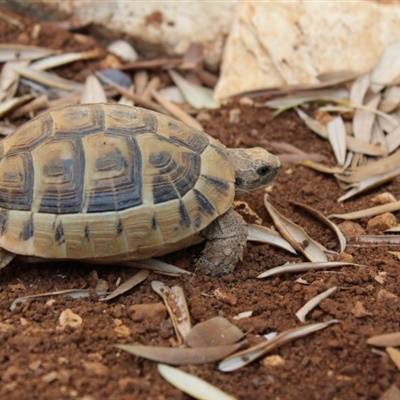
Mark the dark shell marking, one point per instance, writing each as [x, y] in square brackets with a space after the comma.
[93, 174]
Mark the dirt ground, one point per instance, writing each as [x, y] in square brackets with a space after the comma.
[39, 360]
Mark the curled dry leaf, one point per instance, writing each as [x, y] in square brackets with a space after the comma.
[359, 89]
[74, 293]
[181, 356]
[10, 104]
[387, 69]
[323, 168]
[93, 91]
[301, 267]
[369, 212]
[62, 59]
[295, 235]
[337, 139]
[197, 96]
[128, 285]
[217, 331]
[176, 111]
[364, 120]
[327, 222]
[394, 355]
[192, 385]
[247, 356]
[382, 166]
[48, 79]
[175, 301]
[370, 183]
[125, 92]
[391, 99]
[157, 266]
[385, 340]
[17, 52]
[262, 234]
[312, 303]
[383, 240]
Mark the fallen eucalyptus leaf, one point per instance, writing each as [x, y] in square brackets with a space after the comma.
[262, 234]
[62, 59]
[370, 183]
[295, 235]
[306, 266]
[176, 111]
[312, 303]
[369, 212]
[157, 266]
[391, 99]
[175, 302]
[93, 91]
[247, 356]
[387, 68]
[17, 52]
[128, 285]
[48, 79]
[74, 293]
[363, 120]
[217, 331]
[385, 340]
[8, 105]
[394, 355]
[197, 96]
[337, 139]
[327, 222]
[192, 385]
[180, 356]
[359, 88]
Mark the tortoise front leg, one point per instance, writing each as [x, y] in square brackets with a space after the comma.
[226, 238]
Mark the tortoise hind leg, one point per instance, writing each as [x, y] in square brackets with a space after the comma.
[226, 238]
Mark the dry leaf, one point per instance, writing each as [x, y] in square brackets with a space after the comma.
[197, 96]
[337, 139]
[359, 89]
[247, 356]
[295, 235]
[364, 120]
[74, 293]
[175, 301]
[176, 111]
[16, 52]
[62, 59]
[180, 356]
[93, 91]
[327, 222]
[217, 331]
[157, 266]
[300, 267]
[387, 69]
[8, 105]
[311, 304]
[192, 385]
[369, 212]
[128, 285]
[394, 355]
[385, 340]
[262, 234]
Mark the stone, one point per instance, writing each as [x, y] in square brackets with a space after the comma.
[350, 228]
[292, 43]
[382, 222]
[156, 312]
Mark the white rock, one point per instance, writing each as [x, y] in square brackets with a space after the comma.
[272, 44]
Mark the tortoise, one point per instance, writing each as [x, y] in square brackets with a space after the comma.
[112, 183]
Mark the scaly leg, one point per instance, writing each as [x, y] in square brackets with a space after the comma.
[225, 241]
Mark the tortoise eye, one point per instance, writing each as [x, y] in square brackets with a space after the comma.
[239, 181]
[262, 171]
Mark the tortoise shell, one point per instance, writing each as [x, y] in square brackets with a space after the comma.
[102, 180]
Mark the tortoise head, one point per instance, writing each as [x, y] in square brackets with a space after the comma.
[254, 169]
